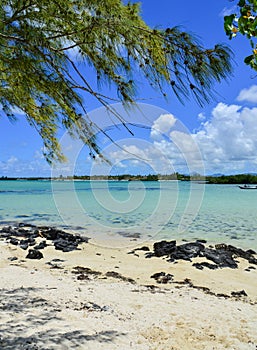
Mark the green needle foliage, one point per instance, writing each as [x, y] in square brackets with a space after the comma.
[244, 22]
[40, 76]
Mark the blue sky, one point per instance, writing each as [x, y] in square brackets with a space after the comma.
[219, 138]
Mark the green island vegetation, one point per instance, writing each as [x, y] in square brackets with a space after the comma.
[213, 179]
[233, 179]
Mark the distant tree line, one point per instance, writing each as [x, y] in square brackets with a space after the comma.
[222, 179]
[233, 179]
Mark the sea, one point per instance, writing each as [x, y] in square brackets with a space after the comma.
[135, 210]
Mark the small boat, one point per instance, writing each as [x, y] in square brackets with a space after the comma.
[247, 187]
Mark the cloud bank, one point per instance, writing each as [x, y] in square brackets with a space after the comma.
[226, 142]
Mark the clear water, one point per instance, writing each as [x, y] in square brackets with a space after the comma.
[150, 210]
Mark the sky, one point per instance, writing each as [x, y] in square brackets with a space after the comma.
[220, 137]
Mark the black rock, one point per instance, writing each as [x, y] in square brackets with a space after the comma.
[179, 255]
[31, 241]
[200, 266]
[82, 277]
[34, 254]
[239, 294]
[5, 234]
[62, 240]
[58, 260]
[252, 260]
[186, 251]
[158, 274]
[117, 275]
[162, 277]
[84, 270]
[250, 251]
[13, 258]
[238, 252]
[33, 235]
[6, 229]
[24, 246]
[54, 234]
[80, 239]
[51, 233]
[65, 246]
[221, 257]
[14, 241]
[22, 232]
[191, 250]
[201, 241]
[25, 235]
[164, 248]
[248, 254]
[24, 241]
[144, 248]
[41, 245]
[149, 255]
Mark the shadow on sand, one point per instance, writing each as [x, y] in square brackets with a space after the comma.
[29, 322]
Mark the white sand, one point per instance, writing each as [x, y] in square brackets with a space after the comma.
[53, 310]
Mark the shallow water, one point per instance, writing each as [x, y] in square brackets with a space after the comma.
[150, 210]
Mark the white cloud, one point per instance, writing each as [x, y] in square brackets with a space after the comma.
[12, 160]
[228, 140]
[162, 125]
[129, 152]
[164, 153]
[201, 117]
[249, 95]
[225, 143]
[39, 154]
[121, 165]
[18, 167]
[155, 158]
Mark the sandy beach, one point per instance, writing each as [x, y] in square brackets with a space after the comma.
[99, 297]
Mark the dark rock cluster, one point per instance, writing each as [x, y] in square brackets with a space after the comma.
[162, 277]
[117, 275]
[221, 255]
[85, 273]
[34, 254]
[25, 235]
[62, 240]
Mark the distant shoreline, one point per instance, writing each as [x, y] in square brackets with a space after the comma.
[238, 179]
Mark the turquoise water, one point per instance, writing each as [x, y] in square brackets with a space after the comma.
[149, 210]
